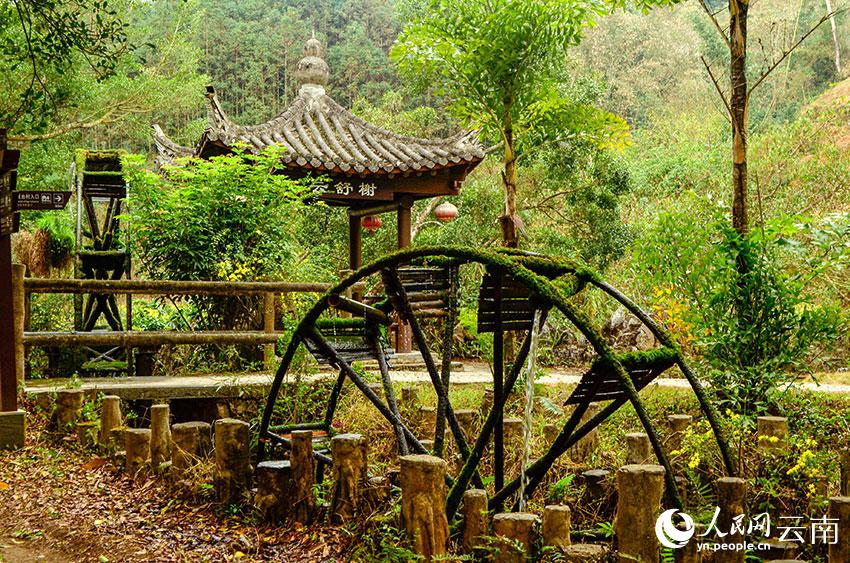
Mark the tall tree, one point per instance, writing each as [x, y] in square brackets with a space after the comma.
[737, 102]
[499, 63]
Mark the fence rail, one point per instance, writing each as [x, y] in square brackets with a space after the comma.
[25, 287]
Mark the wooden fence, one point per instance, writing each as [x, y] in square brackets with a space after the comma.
[25, 287]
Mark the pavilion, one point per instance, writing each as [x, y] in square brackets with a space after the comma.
[371, 170]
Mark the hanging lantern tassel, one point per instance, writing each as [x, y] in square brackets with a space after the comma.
[372, 223]
[446, 212]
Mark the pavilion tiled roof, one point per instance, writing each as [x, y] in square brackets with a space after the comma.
[322, 136]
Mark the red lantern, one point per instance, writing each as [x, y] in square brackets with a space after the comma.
[372, 223]
[446, 212]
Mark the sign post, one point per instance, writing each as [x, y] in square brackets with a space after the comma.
[11, 419]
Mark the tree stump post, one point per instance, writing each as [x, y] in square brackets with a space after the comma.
[690, 553]
[427, 444]
[639, 488]
[844, 463]
[638, 449]
[66, 411]
[556, 525]
[512, 432]
[160, 436]
[596, 483]
[476, 518]
[678, 424]
[409, 399]
[731, 498]
[232, 460]
[190, 443]
[772, 432]
[274, 490]
[519, 528]
[349, 452]
[137, 443]
[303, 476]
[423, 503]
[466, 419]
[428, 419]
[550, 432]
[587, 445]
[110, 417]
[839, 508]
[487, 401]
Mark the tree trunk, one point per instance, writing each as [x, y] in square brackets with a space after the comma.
[510, 238]
[831, 14]
[739, 109]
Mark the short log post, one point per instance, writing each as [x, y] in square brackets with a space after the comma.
[137, 448]
[116, 440]
[110, 417]
[585, 447]
[268, 328]
[427, 444]
[550, 432]
[274, 490]
[303, 476]
[638, 449]
[349, 452]
[731, 498]
[556, 525]
[423, 503]
[487, 401]
[232, 460]
[596, 483]
[639, 488]
[160, 436]
[476, 518]
[377, 389]
[839, 509]
[466, 419]
[519, 528]
[513, 432]
[690, 552]
[67, 408]
[87, 433]
[428, 418]
[409, 398]
[772, 432]
[678, 424]
[190, 443]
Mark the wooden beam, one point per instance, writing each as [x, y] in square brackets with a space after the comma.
[148, 338]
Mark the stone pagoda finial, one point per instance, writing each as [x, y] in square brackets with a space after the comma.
[312, 70]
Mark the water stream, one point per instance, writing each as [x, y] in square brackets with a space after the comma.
[530, 369]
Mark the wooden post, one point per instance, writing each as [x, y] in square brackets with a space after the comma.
[587, 445]
[67, 407]
[303, 476]
[476, 518]
[232, 459]
[409, 398]
[160, 436]
[268, 328]
[638, 449]
[519, 527]
[355, 242]
[690, 553]
[556, 525]
[844, 464]
[403, 225]
[110, 417]
[550, 432]
[487, 401]
[678, 423]
[190, 443]
[19, 312]
[428, 418]
[839, 509]
[349, 452]
[512, 432]
[596, 483]
[640, 488]
[137, 443]
[274, 490]
[423, 503]
[731, 498]
[466, 419]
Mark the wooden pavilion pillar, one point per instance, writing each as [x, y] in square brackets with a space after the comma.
[355, 242]
[405, 204]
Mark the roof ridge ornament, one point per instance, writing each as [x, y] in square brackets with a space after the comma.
[312, 70]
